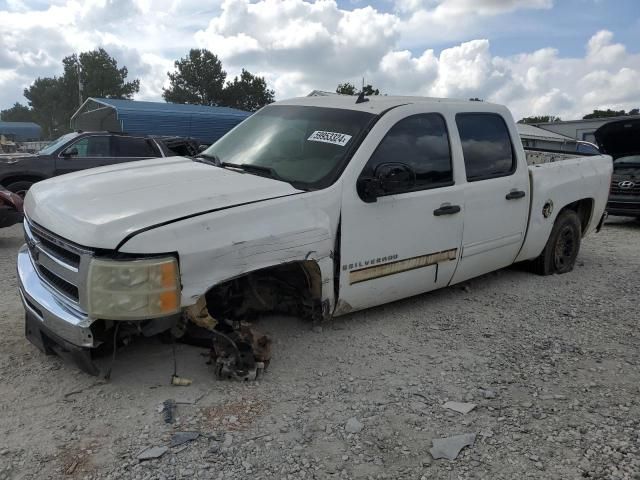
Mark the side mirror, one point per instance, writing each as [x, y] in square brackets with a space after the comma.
[395, 177]
[388, 178]
[70, 152]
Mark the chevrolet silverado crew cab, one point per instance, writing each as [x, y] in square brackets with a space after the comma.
[317, 206]
[82, 150]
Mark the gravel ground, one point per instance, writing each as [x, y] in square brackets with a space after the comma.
[550, 362]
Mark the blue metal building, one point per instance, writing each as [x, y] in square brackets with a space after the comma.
[206, 124]
[21, 131]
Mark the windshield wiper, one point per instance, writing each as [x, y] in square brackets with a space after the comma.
[257, 169]
[209, 159]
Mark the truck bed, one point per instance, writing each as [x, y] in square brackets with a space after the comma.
[555, 177]
[537, 156]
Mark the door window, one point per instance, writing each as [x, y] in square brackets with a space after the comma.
[422, 143]
[135, 147]
[92, 147]
[486, 145]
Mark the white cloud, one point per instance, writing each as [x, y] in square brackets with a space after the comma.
[299, 45]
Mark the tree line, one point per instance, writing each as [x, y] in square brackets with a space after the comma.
[199, 79]
[608, 113]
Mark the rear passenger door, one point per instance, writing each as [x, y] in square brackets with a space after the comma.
[129, 149]
[496, 196]
[87, 152]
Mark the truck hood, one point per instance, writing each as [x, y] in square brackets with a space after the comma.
[98, 208]
[620, 138]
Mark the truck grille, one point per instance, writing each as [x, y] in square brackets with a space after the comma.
[60, 264]
[633, 189]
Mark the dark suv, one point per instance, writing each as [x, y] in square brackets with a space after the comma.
[81, 150]
[621, 140]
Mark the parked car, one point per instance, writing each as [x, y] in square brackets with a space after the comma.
[81, 150]
[621, 140]
[10, 208]
[318, 207]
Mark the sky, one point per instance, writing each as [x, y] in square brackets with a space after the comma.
[538, 57]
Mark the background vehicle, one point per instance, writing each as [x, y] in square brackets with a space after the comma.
[621, 140]
[318, 206]
[7, 144]
[10, 208]
[81, 150]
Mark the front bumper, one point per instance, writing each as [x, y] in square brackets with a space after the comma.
[48, 310]
[626, 207]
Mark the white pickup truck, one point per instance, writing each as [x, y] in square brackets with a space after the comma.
[316, 206]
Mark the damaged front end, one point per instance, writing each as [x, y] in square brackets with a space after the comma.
[236, 349]
[68, 290]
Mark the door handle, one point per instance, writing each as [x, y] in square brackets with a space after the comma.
[514, 194]
[446, 210]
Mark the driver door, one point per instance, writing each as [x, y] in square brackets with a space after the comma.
[408, 240]
[87, 152]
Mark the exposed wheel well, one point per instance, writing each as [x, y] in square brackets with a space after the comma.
[584, 210]
[292, 288]
[21, 178]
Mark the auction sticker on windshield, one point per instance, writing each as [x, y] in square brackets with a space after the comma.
[330, 137]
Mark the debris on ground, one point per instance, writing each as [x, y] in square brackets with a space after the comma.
[238, 350]
[488, 393]
[152, 452]
[460, 407]
[450, 447]
[353, 426]
[179, 438]
[169, 410]
[180, 381]
[71, 468]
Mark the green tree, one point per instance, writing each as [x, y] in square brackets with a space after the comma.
[99, 76]
[540, 119]
[346, 89]
[54, 99]
[198, 80]
[50, 105]
[248, 92]
[350, 89]
[17, 113]
[605, 114]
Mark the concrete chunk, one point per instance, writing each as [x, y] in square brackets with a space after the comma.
[460, 407]
[152, 452]
[450, 447]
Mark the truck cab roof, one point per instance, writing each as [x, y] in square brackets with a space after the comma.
[377, 104]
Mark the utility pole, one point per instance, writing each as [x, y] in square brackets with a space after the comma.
[78, 70]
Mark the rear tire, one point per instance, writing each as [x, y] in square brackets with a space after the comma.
[21, 187]
[560, 253]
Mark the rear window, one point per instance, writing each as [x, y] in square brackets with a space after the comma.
[135, 147]
[486, 146]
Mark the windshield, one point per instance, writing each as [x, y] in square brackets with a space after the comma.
[630, 161]
[302, 145]
[53, 146]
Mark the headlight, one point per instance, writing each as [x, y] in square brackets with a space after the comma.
[133, 289]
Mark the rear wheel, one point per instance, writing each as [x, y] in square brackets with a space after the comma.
[21, 187]
[561, 251]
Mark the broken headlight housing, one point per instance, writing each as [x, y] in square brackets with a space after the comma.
[133, 289]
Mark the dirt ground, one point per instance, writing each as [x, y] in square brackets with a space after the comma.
[550, 362]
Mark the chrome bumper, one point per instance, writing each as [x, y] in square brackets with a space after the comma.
[43, 305]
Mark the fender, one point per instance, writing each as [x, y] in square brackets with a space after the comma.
[220, 246]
